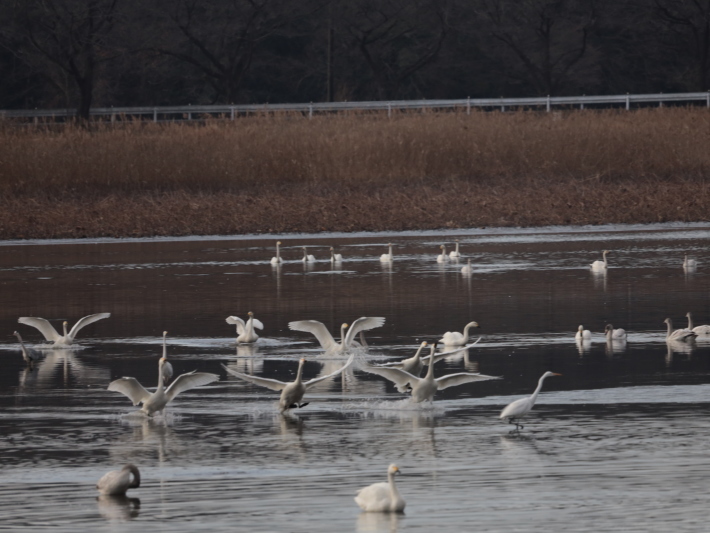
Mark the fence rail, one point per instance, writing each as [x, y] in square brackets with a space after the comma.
[191, 112]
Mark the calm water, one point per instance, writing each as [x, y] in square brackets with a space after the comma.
[619, 442]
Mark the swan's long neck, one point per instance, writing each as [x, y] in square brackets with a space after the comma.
[305, 254]
[64, 327]
[457, 246]
[670, 328]
[533, 397]
[136, 476]
[165, 348]
[161, 378]
[419, 353]
[332, 255]
[465, 332]
[690, 321]
[394, 493]
[430, 372]
[390, 249]
[299, 372]
[604, 257]
[342, 334]
[609, 333]
[277, 251]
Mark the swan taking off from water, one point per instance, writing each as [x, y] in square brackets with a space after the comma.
[382, 497]
[335, 258]
[519, 408]
[689, 264]
[467, 269]
[612, 334]
[156, 401]
[291, 392]
[46, 329]
[442, 257]
[117, 482]
[276, 260]
[245, 331]
[423, 389]
[412, 365]
[29, 355]
[308, 258]
[455, 254]
[600, 266]
[698, 330]
[387, 258]
[167, 367]
[582, 334]
[454, 338]
[678, 334]
[326, 339]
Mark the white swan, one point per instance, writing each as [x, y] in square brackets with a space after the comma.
[600, 266]
[467, 269]
[167, 367]
[156, 401]
[291, 392]
[245, 331]
[382, 497]
[582, 334]
[335, 258]
[308, 258]
[29, 355]
[698, 330]
[49, 333]
[678, 334]
[326, 339]
[689, 264]
[454, 338]
[612, 334]
[455, 254]
[442, 257]
[412, 365]
[117, 482]
[519, 408]
[387, 258]
[276, 260]
[423, 389]
[436, 357]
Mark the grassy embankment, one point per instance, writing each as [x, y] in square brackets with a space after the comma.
[358, 172]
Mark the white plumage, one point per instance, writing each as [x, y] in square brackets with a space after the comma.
[49, 333]
[382, 497]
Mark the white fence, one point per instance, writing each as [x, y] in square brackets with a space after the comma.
[172, 113]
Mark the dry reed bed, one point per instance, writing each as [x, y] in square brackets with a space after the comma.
[357, 172]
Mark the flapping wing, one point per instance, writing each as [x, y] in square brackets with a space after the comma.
[86, 321]
[272, 384]
[131, 388]
[44, 327]
[257, 323]
[189, 381]
[444, 382]
[239, 323]
[396, 375]
[316, 328]
[312, 382]
[363, 323]
[439, 356]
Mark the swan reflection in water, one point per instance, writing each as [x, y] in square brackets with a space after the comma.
[679, 347]
[583, 346]
[599, 280]
[118, 508]
[64, 364]
[615, 347]
[378, 522]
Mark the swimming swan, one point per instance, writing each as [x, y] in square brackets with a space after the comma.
[276, 260]
[156, 401]
[689, 264]
[382, 497]
[519, 408]
[582, 334]
[46, 329]
[291, 392]
[29, 355]
[698, 330]
[600, 266]
[442, 257]
[245, 331]
[678, 334]
[423, 389]
[117, 482]
[454, 338]
[612, 334]
[335, 258]
[455, 254]
[387, 258]
[467, 269]
[326, 339]
[308, 258]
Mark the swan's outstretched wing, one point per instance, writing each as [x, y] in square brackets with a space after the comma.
[44, 327]
[189, 381]
[316, 328]
[452, 380]
[312, 382]
[257, 323]
[439, 356]
[273, 384]
[396, 375]
[239, 323]
[131, 388]
[363, 323]
[86, 321]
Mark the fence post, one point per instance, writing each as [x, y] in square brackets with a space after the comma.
[468, 104]
[231, 112]
[155, 114]
[628, 102]
[389, 110]
[581, 105]
[548, 103]
[310, 110]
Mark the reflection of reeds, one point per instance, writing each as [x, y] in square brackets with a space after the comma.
[355, 172]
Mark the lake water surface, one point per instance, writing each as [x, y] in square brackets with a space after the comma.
[618, 442]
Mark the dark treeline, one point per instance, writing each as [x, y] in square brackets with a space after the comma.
[86, 53]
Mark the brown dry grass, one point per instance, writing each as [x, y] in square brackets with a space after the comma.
[357, 172]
